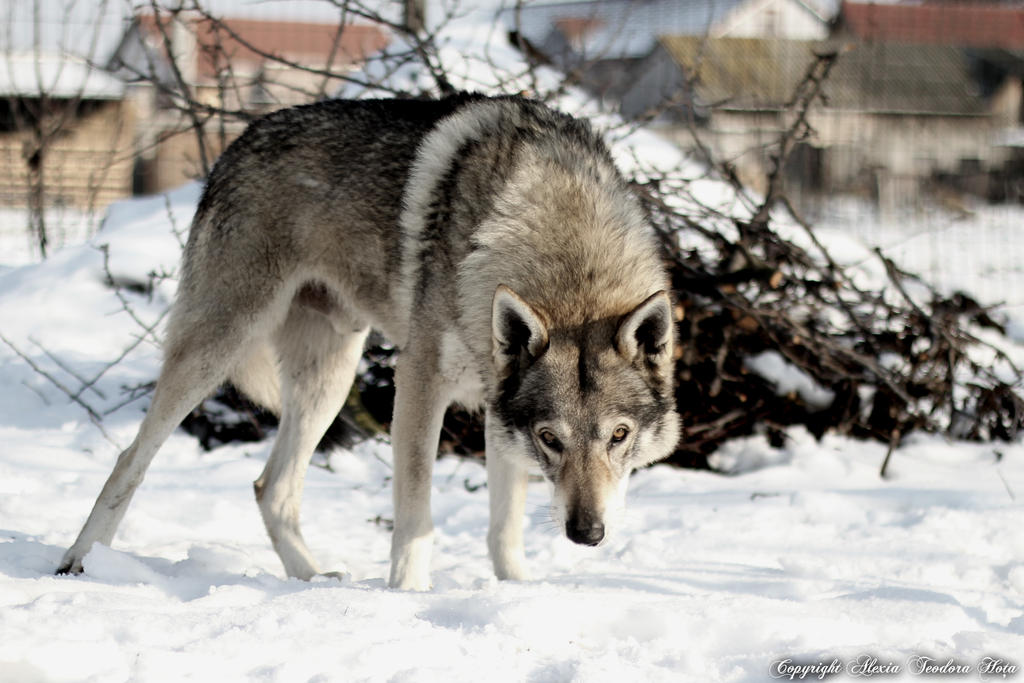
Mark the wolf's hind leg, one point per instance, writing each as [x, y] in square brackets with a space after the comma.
[257, 376]
[318, 357]
[193, 367]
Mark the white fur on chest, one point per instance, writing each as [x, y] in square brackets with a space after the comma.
[460, 372]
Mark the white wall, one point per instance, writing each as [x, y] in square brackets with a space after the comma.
[771, 19]
[856, 143]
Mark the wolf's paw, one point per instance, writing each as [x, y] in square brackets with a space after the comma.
[337, 576]
[518, 574]
[410, 563]
[511, 570]
[415, 585]
[69, 565]
[410, 576]
[508, 559]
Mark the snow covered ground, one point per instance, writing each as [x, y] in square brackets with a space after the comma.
[978, 248]
[801, 557]
[66, 226]
[799, 561]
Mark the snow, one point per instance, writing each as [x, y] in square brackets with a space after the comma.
[93, 30]
[35, 73]
[789, 379]
[974, 247]
[788, 557]
[1009, 137]
[801, 553]
[65, 225]
[88, 30]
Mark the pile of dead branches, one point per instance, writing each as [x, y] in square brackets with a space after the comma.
[892, 358]
[891, 361]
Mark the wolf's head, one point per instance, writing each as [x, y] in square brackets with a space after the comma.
[587, 405]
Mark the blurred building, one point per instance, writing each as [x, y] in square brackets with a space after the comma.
[922, 93]
[66, 131]
[601, 43]
[81, 131]
[231, 70]
[892, 115]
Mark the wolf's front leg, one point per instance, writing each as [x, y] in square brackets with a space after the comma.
[506, 486]
[419, 411]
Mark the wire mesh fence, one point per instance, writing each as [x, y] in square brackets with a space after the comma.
[896, 126]
[920, 117]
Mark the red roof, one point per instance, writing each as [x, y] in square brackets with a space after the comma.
[308, 43]
[955, 24]
[577, 28]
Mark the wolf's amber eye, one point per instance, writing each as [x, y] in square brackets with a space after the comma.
[620, 434]
[549, 438]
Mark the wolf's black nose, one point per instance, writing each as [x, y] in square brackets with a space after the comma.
[584, 531]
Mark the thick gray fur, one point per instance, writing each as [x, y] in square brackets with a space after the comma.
[493, 240]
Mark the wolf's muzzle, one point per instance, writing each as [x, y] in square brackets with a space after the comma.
[584, 530]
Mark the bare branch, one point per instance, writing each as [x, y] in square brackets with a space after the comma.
[94, 416]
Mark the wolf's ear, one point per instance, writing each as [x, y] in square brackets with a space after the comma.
[516, 329]
[647, 329]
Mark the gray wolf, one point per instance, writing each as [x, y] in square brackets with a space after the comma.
[493, 241]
